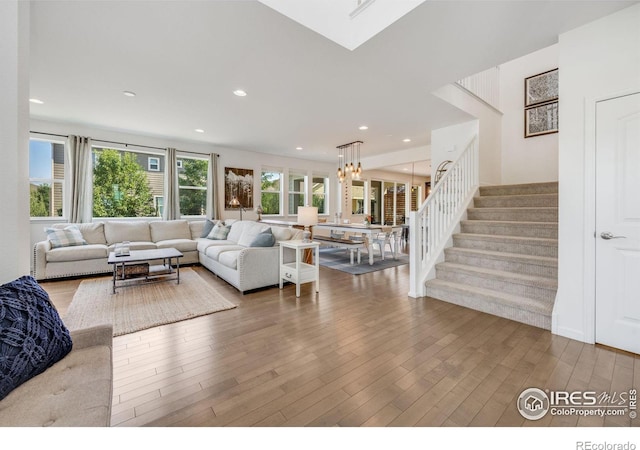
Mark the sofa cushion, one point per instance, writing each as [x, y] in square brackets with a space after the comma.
[281, 233]
[219, 232]
[215, 251]
[264, 239]
[32, 335]
[230, 259]
[93, 233]
[92, 251]
[163, 230]
[69, 236]
[204, 243]
[250, 231]
[183, 245]
[136, 245]
[137, 231]
[237, 227]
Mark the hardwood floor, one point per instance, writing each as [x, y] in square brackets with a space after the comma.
[359, 353]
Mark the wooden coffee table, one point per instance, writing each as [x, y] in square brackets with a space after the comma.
[155, 272]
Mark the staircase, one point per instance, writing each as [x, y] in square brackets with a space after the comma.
[504, 260]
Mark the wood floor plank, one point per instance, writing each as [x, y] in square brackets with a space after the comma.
[358, 353]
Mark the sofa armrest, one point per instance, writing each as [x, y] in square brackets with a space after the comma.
[92, 336]
[259, 264]
[40, 250]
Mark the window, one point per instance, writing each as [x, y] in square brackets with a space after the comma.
[46, 178]
[357, 197]
[192, 184]
[319, 193]
[297, 189]
[154, 164]
[271, 191]
[159, 205]
[179, 164]
[394, 203]
[122, 185]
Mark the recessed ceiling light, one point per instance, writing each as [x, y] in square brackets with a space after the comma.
[199, 130]
[240, 93]
[36, 101]
[129, 93]
[405, 169]
[363, 127]
[406, 140]
[298, 148]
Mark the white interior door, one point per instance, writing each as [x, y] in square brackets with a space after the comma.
[618, 222]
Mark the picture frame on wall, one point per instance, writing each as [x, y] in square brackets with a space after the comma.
[541, 119]
[238, 183]
[541, 88]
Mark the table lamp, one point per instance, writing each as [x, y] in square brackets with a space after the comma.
[307, 216]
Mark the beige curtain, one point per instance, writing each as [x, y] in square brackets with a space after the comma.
[213, 199]
[171, 189]
[79, 179]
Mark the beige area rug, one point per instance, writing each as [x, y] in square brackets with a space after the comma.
[138, 307]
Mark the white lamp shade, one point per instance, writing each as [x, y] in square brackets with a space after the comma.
[307, 215]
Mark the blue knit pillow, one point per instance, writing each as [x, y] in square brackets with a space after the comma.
[32, 335]
[264, 239]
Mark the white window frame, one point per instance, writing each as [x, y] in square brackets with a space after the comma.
[327, 184]
[149, 164]
[305, 182]
[196, 188]
[51, 181]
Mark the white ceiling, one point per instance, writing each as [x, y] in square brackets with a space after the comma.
[184, 59]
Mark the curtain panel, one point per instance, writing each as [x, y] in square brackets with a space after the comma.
[79, 182]
[213, 199]
[171, 189]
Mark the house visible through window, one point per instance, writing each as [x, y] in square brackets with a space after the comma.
[154, 164]
[271, 191]
[46, 178]
[125, 183]
[192, 183]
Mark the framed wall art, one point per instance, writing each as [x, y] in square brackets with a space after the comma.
[238, 183]
[541, 88]
[541, 119]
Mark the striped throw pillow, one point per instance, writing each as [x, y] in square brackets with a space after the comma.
[68, 237]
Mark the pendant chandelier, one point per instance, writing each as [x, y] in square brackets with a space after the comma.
[349, 161]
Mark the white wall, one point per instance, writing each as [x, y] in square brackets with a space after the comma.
[533, 159]
[489, 134]
[14, 139]
[597, 61]
[449, 142]
[228, 158]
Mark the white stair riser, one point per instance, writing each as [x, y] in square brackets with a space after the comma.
[515, 229]
[523, 215]
[502, 264]
[487, 306]
[477, 280]
[507, 247]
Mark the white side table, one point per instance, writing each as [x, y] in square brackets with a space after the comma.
[299, 272]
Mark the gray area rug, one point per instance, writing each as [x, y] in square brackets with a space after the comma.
[338, 259]
[138, 307]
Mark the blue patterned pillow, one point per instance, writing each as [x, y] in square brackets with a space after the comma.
[32, 335]
[68, 237]
[219, 232]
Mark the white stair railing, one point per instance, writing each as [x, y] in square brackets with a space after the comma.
[484, 85]
[431, 227]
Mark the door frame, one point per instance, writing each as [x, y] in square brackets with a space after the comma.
[589, 248]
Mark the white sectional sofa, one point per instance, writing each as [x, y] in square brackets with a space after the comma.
[232, 259]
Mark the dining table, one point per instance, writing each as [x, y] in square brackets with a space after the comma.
[369, 231]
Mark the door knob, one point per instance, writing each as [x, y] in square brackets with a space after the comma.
[606, 235]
